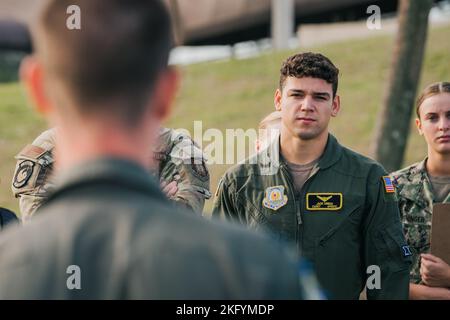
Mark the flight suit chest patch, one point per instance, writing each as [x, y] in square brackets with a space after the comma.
[274, 198]
[324, 201]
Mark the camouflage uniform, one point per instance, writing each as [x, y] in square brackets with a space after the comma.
[180, 159]
[32, 177]
[177, 158]
[416, 201]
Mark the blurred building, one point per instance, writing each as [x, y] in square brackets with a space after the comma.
[202, 22]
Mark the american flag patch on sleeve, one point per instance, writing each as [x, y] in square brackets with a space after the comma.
[388, 186]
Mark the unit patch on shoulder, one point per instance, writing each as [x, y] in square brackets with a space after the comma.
[274, 198]
[23, 173]
[324, 201]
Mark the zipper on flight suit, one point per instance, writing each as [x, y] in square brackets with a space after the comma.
[299, 229]
[302, 196]
[292, 188]
[296, 205]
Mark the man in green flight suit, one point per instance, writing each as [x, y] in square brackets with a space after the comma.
[337, 206]
[178, 162]
[107, 231]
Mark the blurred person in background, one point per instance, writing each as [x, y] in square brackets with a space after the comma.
[175, 159]
[269, 129]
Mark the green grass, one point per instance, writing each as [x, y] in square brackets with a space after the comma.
[238, 93]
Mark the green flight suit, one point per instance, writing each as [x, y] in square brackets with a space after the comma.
[416, 199]
[344, 221]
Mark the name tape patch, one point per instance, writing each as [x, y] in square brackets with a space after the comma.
[324, 201]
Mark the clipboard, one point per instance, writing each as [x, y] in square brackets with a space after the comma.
[440, 231]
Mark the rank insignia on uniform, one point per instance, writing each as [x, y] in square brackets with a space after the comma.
[406, 251]
[23, 173]
[324, 201]
[388, 186]
[274, 198]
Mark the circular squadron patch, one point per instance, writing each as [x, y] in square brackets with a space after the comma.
[23, 173]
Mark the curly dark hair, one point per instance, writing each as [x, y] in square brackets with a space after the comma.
[309, 64]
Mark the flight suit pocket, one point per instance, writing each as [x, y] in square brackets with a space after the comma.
[281, 223]
[347, 221]
[254, 216]
[392, 246]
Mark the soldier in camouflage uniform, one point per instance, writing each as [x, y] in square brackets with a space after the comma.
[423, 184]
[32, 177]
[416, 199]
[178, 161]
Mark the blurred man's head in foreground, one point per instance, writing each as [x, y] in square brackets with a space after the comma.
[110, 67]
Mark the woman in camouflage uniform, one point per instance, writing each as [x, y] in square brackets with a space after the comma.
[423, 184]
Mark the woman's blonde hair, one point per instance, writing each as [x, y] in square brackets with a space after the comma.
[270, 119]
[431, 90]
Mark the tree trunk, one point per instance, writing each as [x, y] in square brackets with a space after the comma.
[393, 123]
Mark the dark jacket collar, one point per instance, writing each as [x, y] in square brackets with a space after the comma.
[107, 170]
[332, 153]
[270, 157]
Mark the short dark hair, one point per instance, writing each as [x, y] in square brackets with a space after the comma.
[431, 90]
[116, 57]
[309, 64]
